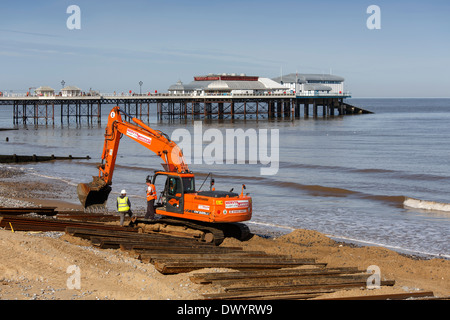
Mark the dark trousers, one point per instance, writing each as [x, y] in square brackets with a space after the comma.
[150, 210]
[122, 216]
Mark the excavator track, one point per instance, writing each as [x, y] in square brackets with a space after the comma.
[203, 232]
[236, 230]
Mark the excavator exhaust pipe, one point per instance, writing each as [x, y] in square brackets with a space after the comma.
[93, 194]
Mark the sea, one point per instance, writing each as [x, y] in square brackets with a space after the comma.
[380, 179]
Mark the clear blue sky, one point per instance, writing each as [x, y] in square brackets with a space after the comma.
[159, 42]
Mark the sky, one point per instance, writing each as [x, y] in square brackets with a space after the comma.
[120, 43]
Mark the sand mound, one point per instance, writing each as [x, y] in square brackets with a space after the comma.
[307, 238]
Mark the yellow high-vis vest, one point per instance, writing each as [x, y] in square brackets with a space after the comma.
[123, 204]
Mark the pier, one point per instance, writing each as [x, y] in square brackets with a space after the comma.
[79, 109]
[88, 109]
[267, 106]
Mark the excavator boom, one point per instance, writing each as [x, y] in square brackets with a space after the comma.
[96, 193]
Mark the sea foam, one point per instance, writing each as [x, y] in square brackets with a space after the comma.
[426, 205]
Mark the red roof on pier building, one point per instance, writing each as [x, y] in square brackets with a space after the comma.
[226, 77]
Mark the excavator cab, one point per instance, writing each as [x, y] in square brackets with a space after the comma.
[175, 187]
[174, 195]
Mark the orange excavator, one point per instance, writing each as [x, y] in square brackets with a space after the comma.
[208, 215]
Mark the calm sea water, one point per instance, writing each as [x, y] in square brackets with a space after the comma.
[347, 177]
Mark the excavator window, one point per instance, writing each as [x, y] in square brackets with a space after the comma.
[174, 186]
[188, 185]
[174, 201]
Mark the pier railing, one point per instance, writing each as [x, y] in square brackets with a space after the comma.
[23, 96]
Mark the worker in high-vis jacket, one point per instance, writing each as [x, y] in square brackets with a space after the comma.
[123, 206]
[151, 197]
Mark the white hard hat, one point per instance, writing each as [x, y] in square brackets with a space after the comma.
[123, 191]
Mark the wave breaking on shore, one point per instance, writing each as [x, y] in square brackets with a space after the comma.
[426, 205]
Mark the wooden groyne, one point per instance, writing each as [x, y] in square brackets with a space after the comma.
[14, 158]
[355, 110]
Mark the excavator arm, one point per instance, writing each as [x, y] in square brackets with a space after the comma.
[96, 192]
[154, 140]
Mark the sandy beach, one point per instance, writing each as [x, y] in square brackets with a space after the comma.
[34, 265]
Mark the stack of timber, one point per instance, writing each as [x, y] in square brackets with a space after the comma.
[142, 243]
[16, 211]
[58, 214]
[86, 217]
[295, 283]
[247, 275]
[15, 223]
[171, 255]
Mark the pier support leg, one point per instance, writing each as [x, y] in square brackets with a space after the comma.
[15, 114]
[287, 108]
[270, 109]
[208, 109]
[99, 113]
[232, 109]
[220, 110]
[245, 109]
[279, 103]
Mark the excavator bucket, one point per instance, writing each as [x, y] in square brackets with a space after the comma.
[93, 195]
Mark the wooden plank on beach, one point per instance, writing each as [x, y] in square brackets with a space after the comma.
[145, 254]
[287, 282]
[172, 267]
[122, 243]
[292, 292]
[86, 217]
[307, 283]
[391, 296]
[270, 295]
[16, 211]
[101, 232]
[224, 278]
[42, 224]
[216, 254]
[277, 293]
[144, 242]
[287, 292]
[131, 236]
